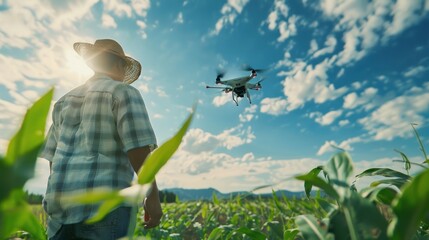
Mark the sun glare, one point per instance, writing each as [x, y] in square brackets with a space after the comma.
[76, 65]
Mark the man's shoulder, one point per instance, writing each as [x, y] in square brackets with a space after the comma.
[77, 91]
[123, 89]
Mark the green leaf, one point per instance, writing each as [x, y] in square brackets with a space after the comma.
[340, 172]
[275, 229]
[307, 185]
[215, 199]
[407, 162]
[384, 172]
[252, 234]
[422, 148]
[363, 219]
[326, 205]
[215, 234]
[410, 208]
[105, 209]
[380, 194]
[92, 197]
[161, 155]
[277, 203]
[398, 182]
[18, 164]
[311, 229]
[16, 214]
[338, 225]
[31, 134]
[290, 234]
[320, 183]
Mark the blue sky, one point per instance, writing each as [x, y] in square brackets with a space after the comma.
[351, 74]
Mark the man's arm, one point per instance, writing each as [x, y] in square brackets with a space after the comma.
[152, 204]
[137, 157]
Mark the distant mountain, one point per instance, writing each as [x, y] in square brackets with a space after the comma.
[207, 194]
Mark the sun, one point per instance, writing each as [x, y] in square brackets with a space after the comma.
[76, 65]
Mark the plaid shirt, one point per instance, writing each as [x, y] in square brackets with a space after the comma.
[93, 127]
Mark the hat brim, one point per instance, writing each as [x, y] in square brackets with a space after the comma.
[132, 66]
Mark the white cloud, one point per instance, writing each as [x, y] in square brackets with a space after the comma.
[142, 26]
[228, 173]
[280, 8]
[329, 117]
[160, 92]
[247, 172]
[141, 7]
[308, 83]
[118, 7]
[343, 122]
[143, 87]
[330, 44]
[230, 11]
[248, 114]
[22, 26]
[352, 100]
[415, 71]
[313, 46]
[393, 118]
[158, 116]
[179, 18]
[274, 106]
[365, 23]
[331, 146]
[197, 140]
[221, 100]
[108, 21]
[405, 14]
[287, 29]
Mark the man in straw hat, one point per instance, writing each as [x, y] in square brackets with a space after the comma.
[100, 136]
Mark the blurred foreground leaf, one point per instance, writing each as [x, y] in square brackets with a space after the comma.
[311, 228]
[160, 156]
[410, 208]
[320, 183]
[307, 185]
[340, 171]
[17, 167]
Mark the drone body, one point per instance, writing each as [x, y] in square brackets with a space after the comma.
[239, 86]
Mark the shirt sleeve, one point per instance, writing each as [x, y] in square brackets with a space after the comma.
[50, 145]
[132, 120]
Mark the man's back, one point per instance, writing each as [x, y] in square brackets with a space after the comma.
[93, 127]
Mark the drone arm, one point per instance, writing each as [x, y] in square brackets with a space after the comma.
[216, 87]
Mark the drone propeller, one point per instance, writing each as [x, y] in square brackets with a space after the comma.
[247, 67]
[220, 73]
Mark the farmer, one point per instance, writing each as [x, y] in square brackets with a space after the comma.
[100, 137]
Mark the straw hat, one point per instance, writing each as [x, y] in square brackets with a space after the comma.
[89, 51]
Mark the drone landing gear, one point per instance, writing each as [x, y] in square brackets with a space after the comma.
[248, 96]
[234, 99]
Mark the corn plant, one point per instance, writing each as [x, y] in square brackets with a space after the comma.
[17, 167]
[356, 214]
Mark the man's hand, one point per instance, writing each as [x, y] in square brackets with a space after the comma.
[152, 208]
[152, 205]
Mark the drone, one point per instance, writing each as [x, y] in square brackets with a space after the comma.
[239, 86]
